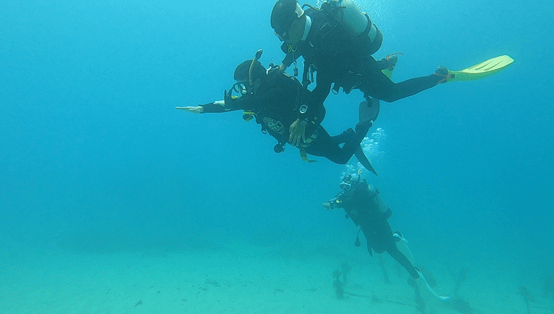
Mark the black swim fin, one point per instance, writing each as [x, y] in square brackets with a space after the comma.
[362, 158]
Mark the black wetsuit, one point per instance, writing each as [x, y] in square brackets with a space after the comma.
[276, 107]
[338, 58]
[361, 205]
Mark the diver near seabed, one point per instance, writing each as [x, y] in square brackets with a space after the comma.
[363, 204]
[283, 107]
[337, 41]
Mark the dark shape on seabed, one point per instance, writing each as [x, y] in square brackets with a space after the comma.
[338, 285]
[527, 297]
[345, 270]
[418, 298]
[460, 305]
[461, 278]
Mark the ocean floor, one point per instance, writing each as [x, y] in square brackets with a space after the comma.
[241, 278]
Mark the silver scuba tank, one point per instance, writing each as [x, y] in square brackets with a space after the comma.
[377, 200]
[356, 22]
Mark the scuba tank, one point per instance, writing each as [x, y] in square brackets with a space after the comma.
[354, 21]
[378, 201]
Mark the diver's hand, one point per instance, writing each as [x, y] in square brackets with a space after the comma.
[327, 205]
[193, 109]
[297, 133]
[282, 68]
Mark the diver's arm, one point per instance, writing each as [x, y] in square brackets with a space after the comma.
[292, 52]
[289, 58]
[192, 109]
[216, 106]
[333, 203]
[297, 132]
[213, 107]
[322, 88]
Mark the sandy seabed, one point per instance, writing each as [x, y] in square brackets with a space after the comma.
[238, 279]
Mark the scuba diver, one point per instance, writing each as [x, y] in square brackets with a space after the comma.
[282, 106]
[364, 205]
[337, 41]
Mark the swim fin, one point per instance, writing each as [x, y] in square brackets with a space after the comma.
[362, 158]
[369, 111]
[391, 59]
[481, 70]
[402, 245]
[426, 283]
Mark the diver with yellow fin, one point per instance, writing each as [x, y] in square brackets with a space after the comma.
[284, 109]
[337, 41]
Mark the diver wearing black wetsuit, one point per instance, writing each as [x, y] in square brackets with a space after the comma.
[338, 57]
[363, 204]
[278, 101]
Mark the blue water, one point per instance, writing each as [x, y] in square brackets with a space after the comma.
[92, 147]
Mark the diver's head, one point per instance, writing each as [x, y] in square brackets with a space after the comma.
[352, 182]
[289, 21]
[250, 75]
[346, 183]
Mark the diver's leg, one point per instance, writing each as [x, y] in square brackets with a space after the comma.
[331, 150]
[379, 86]
[384, 240]
[325, 146]
[351, 144]
[353, 140]
[401, 245]
[343, 137]
[401, 253]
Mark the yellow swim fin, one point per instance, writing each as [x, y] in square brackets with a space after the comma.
[392, 59]
[388, 72]
[481, 70]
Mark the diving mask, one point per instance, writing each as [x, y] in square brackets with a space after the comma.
[242, 88]
[345, 186]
